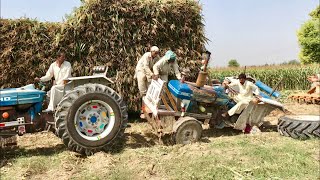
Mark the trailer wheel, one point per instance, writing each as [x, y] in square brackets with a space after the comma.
[91, 118]
[187, 130]
[299, 126]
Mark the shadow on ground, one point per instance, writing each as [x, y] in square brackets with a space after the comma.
[9, 153]
[212, 133]
[268, 127]
[131, 140]
[137, 140]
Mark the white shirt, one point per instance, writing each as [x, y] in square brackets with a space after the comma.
[246, 90]
[59, 73]
[145, 64]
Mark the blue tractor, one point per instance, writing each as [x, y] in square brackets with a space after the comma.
[18, 106]
[182, 108]
[90, 117]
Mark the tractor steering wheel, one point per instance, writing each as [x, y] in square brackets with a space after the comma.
[41, 85]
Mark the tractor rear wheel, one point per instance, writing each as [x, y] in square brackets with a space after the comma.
[299, 126]
[91, 118]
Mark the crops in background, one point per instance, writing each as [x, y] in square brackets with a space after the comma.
[291, 77]
[103, 32]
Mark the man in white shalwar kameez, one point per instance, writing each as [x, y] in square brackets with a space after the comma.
[144, 72]
[61, 71]
[244, 96]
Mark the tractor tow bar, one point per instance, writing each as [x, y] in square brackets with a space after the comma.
[20, 121]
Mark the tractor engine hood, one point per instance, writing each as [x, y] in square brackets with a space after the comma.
[23, 95]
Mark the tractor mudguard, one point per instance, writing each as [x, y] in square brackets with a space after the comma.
[254, 113]
[99, 77]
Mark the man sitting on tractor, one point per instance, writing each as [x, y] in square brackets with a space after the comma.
[61, 71]
[166, 64]
[243, 97]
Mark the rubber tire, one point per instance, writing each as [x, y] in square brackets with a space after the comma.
[178, 136]
[67, 108]
[297, 128]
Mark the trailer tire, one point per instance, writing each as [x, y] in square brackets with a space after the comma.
[187, 130]
[78, 101]
[299, 126]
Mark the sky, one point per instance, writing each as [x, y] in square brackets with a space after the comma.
[254, 32]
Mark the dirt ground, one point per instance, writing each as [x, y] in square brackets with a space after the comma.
[293, 108]
[43, 156]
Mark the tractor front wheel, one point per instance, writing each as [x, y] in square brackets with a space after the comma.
[187, 130]
[90, 118]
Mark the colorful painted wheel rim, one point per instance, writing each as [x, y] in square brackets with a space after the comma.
[94, 120]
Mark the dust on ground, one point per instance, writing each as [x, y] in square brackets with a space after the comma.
[294, 109]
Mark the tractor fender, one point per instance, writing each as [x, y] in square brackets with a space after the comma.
[182, 120]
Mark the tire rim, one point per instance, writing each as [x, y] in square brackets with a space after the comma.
[189, 135]
[94, 120]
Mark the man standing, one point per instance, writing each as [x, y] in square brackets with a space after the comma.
[143, 69]
[61, 71]
[244, 96]
[166, 64]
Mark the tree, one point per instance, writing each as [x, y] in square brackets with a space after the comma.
[291, 62]
[309, 39]
[233, 63]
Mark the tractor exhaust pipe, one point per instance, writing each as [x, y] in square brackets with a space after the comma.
[203, 74]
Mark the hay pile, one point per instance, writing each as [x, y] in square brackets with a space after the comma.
[25, 50]
[103, 32]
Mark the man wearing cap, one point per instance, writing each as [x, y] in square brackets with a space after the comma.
[166, 64]
[143, 69]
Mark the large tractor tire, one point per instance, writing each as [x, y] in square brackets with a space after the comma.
[299, 126]
[91, 118]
